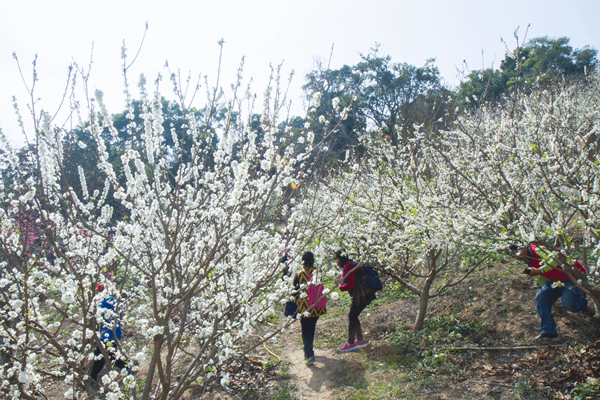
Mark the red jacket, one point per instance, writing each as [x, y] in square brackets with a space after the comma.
[350, 281]
[555, 274]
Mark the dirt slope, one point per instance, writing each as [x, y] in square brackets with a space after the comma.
[498, 360]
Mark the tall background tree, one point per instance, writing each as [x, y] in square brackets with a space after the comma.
[537, 64]
[396, 96]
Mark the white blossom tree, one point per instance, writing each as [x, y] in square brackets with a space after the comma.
[439, 207]
[397, 216]
[530, 167]
[193, 264]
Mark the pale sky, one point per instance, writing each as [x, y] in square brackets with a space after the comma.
[297, 33]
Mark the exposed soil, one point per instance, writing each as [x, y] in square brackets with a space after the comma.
[490, 362]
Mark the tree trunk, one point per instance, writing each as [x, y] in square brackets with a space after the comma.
[423, 302]
[151, 369]
[594, 295]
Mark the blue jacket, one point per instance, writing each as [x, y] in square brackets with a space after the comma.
[110, 318]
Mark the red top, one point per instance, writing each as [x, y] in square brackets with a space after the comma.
[555, 274]
[350, 281]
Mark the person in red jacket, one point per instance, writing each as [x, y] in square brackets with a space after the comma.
[549, 273]
[360, 300]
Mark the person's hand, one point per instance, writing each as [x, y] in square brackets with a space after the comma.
[535, 271]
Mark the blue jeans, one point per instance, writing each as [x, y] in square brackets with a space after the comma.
[573, 300]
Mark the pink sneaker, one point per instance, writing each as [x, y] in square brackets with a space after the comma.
[348, 347]
[360, 345]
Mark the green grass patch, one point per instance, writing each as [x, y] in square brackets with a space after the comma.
[394, 290]
[425, 354]
[586, 390]
[389, 387]
[524, 391]
[273, 317]
[285, 393]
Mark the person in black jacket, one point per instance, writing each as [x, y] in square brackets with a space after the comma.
[308, 322]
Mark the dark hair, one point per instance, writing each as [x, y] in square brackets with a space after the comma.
[308, 259]
[342, 256]
[514, 249]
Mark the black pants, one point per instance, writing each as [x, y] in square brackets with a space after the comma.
[308, 335]
[354, 328]
[99, 364]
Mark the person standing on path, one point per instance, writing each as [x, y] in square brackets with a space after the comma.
[308, 322]
[361, 298]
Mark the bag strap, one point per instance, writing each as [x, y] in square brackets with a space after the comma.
[310, 275]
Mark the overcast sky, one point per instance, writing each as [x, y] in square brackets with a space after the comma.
[297, 33]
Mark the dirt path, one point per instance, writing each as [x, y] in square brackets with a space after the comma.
[316, 381]
[313, 382]
[309, 382]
